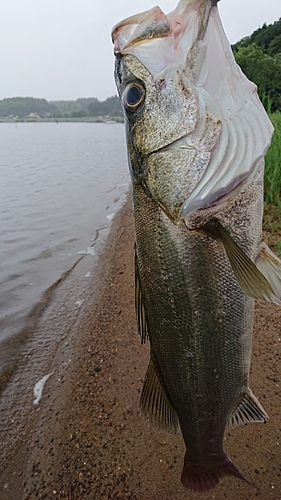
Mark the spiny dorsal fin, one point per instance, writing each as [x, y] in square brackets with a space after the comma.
[155, 404]
[140, 310]
[270, 266]
[251, 280]
[249, 410]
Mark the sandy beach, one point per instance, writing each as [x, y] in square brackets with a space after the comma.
[86, 439]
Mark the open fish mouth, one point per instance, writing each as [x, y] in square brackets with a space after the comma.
[181, 143]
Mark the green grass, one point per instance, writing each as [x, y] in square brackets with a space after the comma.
[272, 188]
[272, 172]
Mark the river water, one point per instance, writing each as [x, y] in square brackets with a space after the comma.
[60, 186]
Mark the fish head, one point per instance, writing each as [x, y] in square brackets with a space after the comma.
[162, 115]
[158, 110]
[195, 127]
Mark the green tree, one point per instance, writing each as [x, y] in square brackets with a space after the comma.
[23, 106]
[275, 46]
[264, 71]
[111, 106]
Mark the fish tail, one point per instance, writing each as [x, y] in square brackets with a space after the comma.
[203, 479]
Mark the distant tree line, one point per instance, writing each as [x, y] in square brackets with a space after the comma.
[23, 107]
[259, 56]
[90, 106]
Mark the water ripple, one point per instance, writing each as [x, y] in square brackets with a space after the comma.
[59, 183]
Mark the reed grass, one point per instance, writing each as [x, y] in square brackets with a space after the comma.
[272, 188]
[272, 172]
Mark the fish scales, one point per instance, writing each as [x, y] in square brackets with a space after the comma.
[199, 321]
[196, 137]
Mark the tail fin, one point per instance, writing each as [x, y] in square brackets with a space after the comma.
[196, 479]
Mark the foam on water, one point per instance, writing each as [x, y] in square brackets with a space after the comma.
[110, 217]
[88, 251]
[79, 302]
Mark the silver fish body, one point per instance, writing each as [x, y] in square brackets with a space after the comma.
[199, 321]
[189, 300]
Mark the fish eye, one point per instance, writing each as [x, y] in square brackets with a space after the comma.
[133, 96]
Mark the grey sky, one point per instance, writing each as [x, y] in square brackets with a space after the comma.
[61, 49]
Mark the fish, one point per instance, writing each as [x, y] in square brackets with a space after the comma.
[196, 136]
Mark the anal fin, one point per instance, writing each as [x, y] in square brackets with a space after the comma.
[249, 410]
[155, 404]
[139, 304]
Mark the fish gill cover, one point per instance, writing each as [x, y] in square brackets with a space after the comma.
[191, 40]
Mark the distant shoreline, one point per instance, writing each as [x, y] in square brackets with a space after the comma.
[59, 120]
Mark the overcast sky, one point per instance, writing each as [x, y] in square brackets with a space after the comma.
[61, 49]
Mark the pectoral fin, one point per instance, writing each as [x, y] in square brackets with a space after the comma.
[140, 310]
[251, 280]
[155, 404]
[270, 266]
[249, 410]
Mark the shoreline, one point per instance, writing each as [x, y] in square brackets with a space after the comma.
[86, 439]
[62, 120]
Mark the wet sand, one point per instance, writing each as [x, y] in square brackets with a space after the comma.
[86, 439]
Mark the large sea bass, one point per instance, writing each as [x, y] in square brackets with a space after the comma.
[196, 134]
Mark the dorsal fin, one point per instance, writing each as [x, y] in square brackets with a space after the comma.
[155, 404]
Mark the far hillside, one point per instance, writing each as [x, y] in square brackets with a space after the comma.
[29, 107]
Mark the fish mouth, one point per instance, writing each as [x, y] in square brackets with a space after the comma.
[172, 33]
[180, 143]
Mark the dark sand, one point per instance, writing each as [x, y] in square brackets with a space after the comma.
[87, 440]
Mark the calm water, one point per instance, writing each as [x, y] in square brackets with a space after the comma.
[60, 185]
